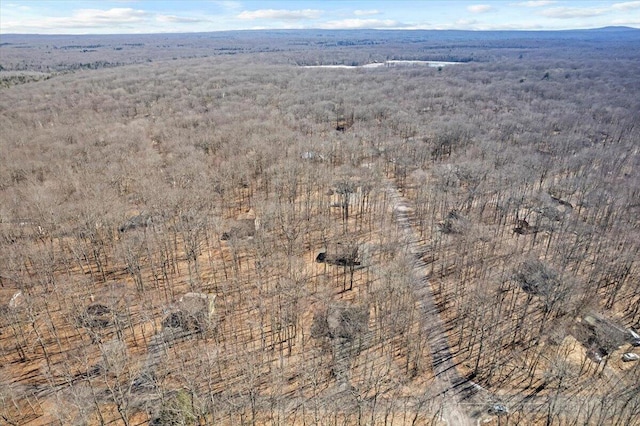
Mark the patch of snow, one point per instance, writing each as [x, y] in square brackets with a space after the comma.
[15, 300]
[331, 66]
[391, 63]
[427, 63]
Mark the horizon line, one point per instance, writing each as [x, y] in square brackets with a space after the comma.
[618, 27]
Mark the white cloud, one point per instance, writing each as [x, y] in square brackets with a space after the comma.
[627, 22]
[91, 17]
[628, 5]
[349, 24]
[99, 21]
[280, 14]
[81, 19]
[535, 3]
[366, 12]
[473, 25]
[178, 19]
[572, 12]
[479, 8]
[465, 23]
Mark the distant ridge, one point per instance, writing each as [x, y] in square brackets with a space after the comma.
[615, 28]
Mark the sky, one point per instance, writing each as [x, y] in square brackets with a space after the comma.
[165, 16]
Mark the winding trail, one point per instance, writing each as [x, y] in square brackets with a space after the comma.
[448, 380]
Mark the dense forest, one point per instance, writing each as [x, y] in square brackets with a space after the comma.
[218, 229]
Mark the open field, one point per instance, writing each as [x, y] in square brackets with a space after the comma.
[200, 229]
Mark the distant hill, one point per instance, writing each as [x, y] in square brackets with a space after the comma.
[616, 28]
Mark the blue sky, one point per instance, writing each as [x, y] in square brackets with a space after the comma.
[161, 16]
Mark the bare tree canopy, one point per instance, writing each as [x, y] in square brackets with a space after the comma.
[320, 227]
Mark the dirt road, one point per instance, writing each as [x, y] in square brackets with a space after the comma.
[447, 377]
